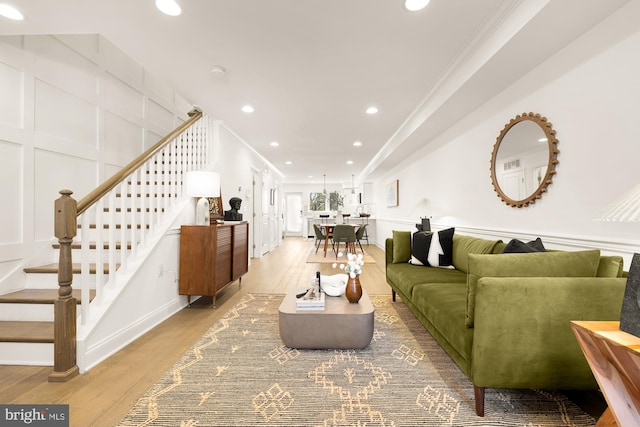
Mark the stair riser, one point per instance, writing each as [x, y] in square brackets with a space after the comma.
[76, 256]
[93, 234]
[17, 353]
[119, 217]
[26, 312]
[50, 281]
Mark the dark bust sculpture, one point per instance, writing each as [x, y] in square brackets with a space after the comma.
[233, 214]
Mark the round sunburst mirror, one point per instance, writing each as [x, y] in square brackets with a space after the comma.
[524, 159]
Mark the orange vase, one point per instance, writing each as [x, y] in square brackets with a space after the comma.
[354, 290]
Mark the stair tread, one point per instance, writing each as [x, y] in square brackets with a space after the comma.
[33, 332]
[53, 268]
[92, 245]
[38, 296]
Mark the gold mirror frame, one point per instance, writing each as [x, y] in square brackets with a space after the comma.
[551, 165]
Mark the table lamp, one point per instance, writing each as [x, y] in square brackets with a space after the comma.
[202, 184]
[627, 209]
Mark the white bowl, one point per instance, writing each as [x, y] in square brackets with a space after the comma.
[334, 285]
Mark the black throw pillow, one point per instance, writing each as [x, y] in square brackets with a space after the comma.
[420, 242]
[516, 246]
[433, 249]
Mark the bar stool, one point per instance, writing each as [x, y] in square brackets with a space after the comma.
[345, 218]
[365, 236]
[324, 217]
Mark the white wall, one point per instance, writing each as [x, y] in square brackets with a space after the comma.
[237, 163]
[73, 110]
[589, 91]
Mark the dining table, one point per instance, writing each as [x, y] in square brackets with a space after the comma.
[328, 230]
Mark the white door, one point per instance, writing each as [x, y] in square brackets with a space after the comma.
[293, 212]
[513, 185]
[266, 216]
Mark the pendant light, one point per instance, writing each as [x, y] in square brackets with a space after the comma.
[353, 185]
[324, 189]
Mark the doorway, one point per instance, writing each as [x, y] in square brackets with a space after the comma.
[293, 214]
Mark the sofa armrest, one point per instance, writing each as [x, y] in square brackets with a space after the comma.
[388, 251]
[522, 335]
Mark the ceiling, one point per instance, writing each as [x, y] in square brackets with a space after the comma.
[311, 68]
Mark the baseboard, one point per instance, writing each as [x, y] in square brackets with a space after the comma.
[92, 355]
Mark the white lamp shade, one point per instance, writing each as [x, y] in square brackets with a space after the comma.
[202, 184]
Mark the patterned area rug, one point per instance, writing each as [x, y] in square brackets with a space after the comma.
[331, 257]
[240, 374]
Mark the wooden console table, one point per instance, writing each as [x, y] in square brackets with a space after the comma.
[212, 257]
[614, 358]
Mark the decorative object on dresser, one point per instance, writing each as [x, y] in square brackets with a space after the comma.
[202, 184]
[212, 257]
[233, 214]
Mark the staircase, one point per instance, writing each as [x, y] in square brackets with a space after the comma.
[119, 221]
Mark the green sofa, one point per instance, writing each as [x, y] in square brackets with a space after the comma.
[505, 318]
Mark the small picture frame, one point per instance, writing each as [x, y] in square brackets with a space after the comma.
[216, 209]
[392, 193]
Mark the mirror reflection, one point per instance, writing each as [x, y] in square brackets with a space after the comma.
[524, 159]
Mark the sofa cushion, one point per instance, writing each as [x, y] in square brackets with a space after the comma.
[516, 246]
[535, 264]
[464, 245]
[610, 266]
[401, 246]
[420, 241]
[443, 304]
[406, 276]
[432, 249]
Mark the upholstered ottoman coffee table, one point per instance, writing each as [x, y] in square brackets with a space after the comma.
[341, 325]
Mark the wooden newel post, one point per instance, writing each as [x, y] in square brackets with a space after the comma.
[64, 343]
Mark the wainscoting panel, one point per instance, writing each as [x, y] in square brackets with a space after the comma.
[64, 116]
[60, 66]
[54, 172]
[11, 87]
[11, 171]
[159, 118]
[122, 136]
[123, 100]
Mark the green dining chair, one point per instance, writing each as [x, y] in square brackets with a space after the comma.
[360, 234]
[343, 233]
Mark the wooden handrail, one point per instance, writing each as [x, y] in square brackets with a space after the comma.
[87, 201]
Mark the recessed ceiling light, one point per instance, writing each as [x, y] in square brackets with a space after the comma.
[169, 7]
[349, 162]
[10, 12]
[543, 140]
[274, 143]
[415, 5]
[248, 109]
[372, 110]
[288, 162]
[357, 144]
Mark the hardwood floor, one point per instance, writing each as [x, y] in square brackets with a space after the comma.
[102, 396]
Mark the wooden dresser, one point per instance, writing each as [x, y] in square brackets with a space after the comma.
[212, 257]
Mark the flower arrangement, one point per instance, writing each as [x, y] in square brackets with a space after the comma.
[354, 264]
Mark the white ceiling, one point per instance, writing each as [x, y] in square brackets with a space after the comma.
[311, 67]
